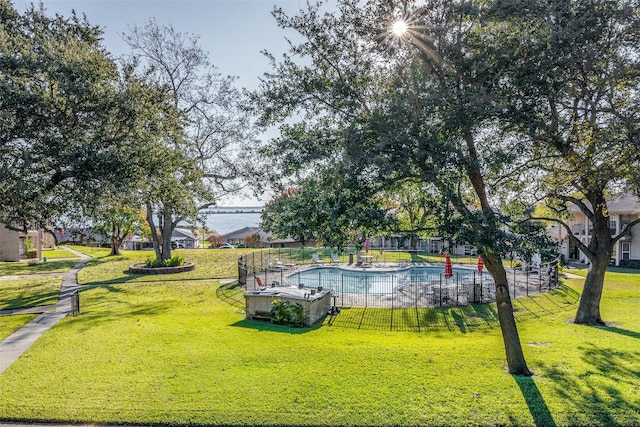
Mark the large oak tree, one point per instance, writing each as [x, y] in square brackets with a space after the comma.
[68, 117]
[387, 110]
[571, 86]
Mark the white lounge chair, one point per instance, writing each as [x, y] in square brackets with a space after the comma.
[272, 266]
[316, 259]
[335, 258]
[280, 264]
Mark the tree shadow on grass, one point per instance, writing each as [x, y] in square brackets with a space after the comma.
[620, 331]
[29, 301]
[535, 402]
[603, 394]
[232, 294]
[462, 318]
[259, 325]
[96, 311]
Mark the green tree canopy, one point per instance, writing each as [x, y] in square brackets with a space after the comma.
[326, 209]
[571, 90]
[67, 117]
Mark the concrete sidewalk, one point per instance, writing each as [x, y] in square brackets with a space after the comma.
[17, 343]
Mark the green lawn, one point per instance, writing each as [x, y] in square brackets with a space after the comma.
[10, 324]
[31, 292]
[21, 268]
[210, 264]
[180, 352]
[58, 252]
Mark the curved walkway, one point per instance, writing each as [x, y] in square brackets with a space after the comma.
[17, 343]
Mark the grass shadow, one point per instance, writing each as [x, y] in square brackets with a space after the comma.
[232, 294]
[620, 331]
[535, 402]
[462, 318]
[95, 311]
[41, 299]
[272, 327]
[602, 391]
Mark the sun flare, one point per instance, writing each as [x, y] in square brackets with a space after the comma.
[399, 28]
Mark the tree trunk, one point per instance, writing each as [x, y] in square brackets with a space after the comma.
[589, 308]
[599, 252]
[166, 244]
[154, 233]
[515, 356]
[115, 247]
[115, 241]
[167, 231]
[414, 242]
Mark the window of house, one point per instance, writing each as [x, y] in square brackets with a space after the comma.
[626, 250]
[613, 226]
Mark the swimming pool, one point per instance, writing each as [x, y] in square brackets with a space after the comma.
[383, 281]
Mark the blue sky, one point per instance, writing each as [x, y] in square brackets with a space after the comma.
[234, 32]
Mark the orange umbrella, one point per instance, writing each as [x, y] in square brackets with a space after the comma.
[448, 268]
[480, 264]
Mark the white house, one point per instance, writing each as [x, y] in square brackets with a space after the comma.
[622, 211]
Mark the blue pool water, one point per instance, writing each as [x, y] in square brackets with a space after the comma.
[382, 282]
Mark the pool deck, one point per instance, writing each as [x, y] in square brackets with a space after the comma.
[426, 292]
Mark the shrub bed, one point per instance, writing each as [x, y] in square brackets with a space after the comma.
[143, 269]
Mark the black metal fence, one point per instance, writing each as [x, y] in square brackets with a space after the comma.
[391, 284]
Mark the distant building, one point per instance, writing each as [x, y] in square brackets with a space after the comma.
[181, 238]
[239, 237]
[266, 239]
[134, 242]
[184, 238]
[622, 211]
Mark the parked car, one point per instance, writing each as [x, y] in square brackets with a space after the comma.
[226, 246]
[177, 245]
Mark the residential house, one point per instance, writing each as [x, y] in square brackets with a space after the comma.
[239, 237]
[13, 244]
[266, 239]
[134, 242]
[622, 211]
[184, 238]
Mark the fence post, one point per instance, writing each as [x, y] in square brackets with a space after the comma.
[457, 287]
[75, 302]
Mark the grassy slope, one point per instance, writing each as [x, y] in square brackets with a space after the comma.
[179, 352]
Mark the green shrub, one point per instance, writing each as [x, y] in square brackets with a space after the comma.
[630, 263]
[174, 261]
[285, 313]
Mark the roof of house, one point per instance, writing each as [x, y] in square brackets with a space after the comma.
[622, 204]
[242, 233]
[182, 233]
[267, 236]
